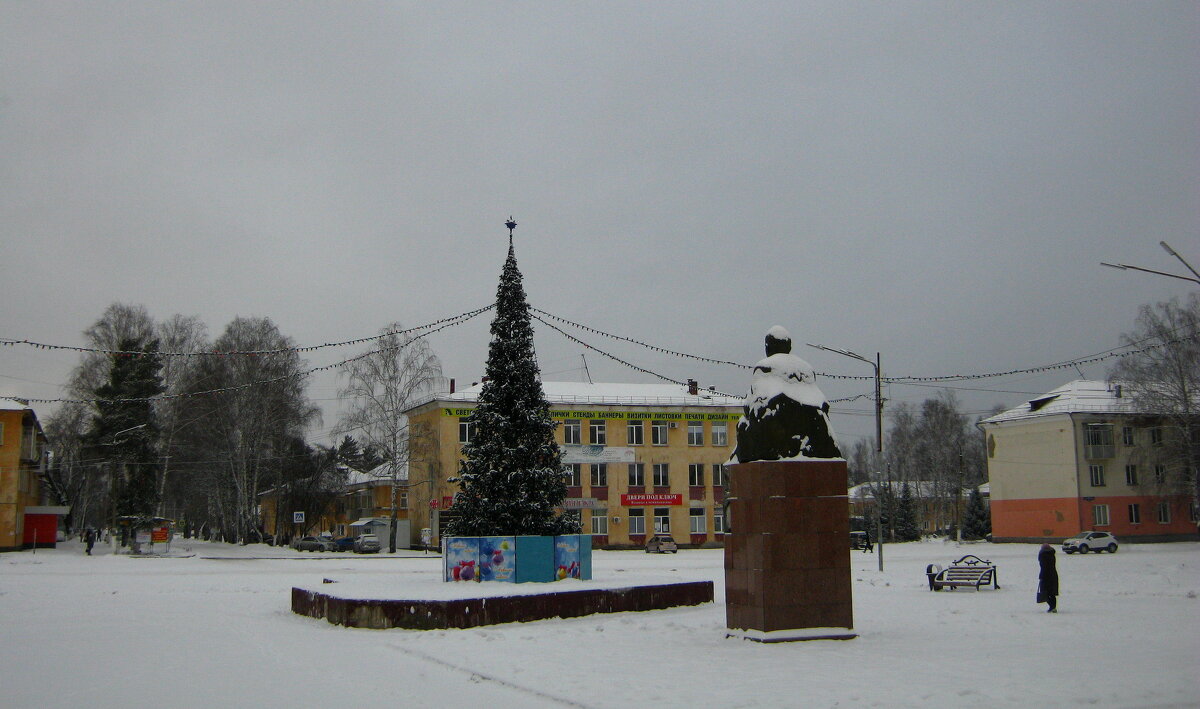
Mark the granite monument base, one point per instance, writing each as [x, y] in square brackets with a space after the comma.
[787, 557]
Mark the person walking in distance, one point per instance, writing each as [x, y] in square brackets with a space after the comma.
[1048, 578]
[89, 538]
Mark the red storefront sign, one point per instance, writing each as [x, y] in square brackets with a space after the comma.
[652, 500]
[160, 534]
[447, 502]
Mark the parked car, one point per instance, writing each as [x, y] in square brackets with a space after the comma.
[1090, 541]
[314, 544]
[344, 543]
[366, 544]
[661, 543]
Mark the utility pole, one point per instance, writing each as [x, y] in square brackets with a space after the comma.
[958, 500]
[878, 432]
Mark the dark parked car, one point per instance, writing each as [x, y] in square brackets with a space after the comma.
[344, 543]
[1090, 541]
[662, 543]
[314, 544]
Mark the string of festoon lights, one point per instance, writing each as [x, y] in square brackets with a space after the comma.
[444, 323]
[656, 374]
[435, 326]
[1111, 354]
[461, 317]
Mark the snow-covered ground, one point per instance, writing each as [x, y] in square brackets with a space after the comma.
[198, 631]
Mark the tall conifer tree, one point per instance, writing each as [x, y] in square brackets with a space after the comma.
[125, 429]
[512, 474]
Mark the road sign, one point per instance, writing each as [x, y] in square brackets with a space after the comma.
[298, 517]
[433, 504]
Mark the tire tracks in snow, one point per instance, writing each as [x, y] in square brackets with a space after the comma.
[491, 678]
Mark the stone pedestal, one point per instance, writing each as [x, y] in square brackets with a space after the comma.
[787, 559]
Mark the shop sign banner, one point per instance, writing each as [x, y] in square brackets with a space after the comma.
[580, 503]
[597, 454]
[652, 500]
[623, 415]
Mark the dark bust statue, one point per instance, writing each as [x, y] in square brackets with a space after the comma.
[786, 416]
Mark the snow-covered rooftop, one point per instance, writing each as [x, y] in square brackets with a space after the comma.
[613, 393]
[7, 404]
[379, 473]
[1079, 396]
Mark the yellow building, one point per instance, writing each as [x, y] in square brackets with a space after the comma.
[364, 500]
[640, 459]
[24, 520]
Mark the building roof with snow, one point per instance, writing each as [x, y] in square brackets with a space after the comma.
[559, 393]
[9, 404]
[1077, 397]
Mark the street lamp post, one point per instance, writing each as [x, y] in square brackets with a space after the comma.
[1168, 249]
[878, 431]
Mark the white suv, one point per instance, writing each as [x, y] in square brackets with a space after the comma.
[1090, 541]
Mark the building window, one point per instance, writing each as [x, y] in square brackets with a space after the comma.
[403, 500]
[662, 477]
[1194, 512]
[658, 433]
[572, 431]
[1131, 475]
[634, 433]
[719, 520]
[1156, 436]
[1160, 474]
[598, 433]
[718, 475]
[662, 520]
[1098, 440]
[696, 521]
[696, 474]
[1097, 473]
[1100, 515]
[695, 433]
[466, 431]
[1127, 435]
[720, 433]
[1135, 514]
[637, 474]
[600, 521]
[1164, 513]
[599, 474]
[573, 474]
[637, 522]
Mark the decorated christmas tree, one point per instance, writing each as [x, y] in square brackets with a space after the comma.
[511, 477]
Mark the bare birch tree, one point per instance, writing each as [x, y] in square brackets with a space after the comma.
[258, 408]
[1163, 379]
[382, 384]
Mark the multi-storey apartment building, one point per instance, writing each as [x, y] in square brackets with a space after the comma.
[1079, 458]
[639, 459]
[24, 520]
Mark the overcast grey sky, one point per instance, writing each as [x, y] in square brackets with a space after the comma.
[934, 181]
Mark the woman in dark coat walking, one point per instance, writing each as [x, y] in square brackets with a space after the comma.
[1048, 578]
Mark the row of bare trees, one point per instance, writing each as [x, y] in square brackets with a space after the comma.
[934, 449]
[199, 438]
[213, 453]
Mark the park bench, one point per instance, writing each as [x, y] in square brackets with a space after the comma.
[967, 571]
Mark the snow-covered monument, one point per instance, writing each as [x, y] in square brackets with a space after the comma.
[787, 570]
